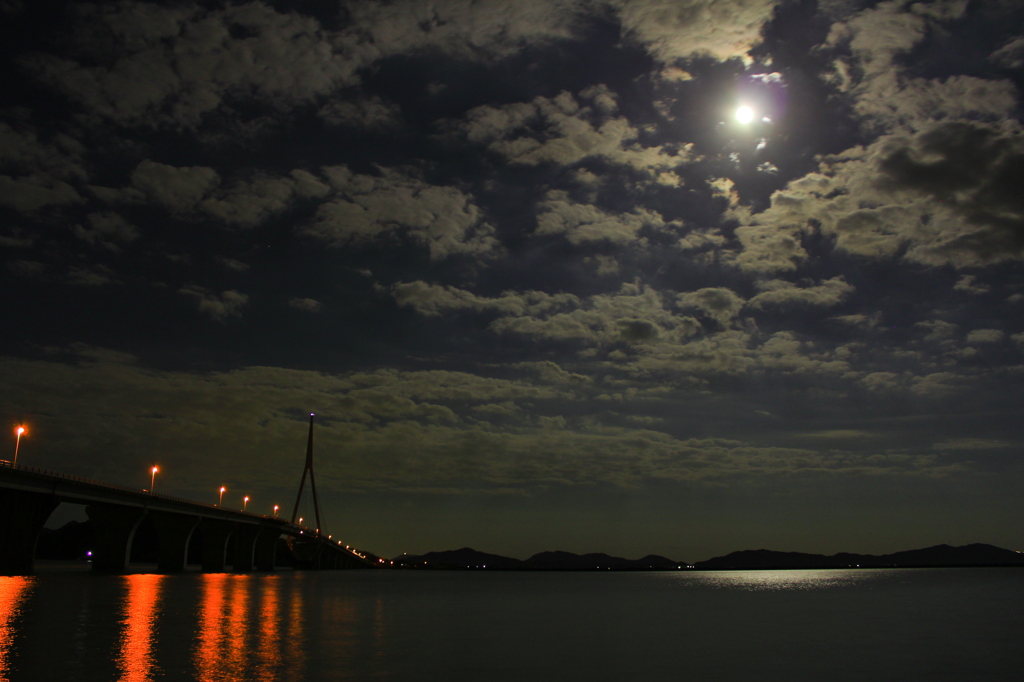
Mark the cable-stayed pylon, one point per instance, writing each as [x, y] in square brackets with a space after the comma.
[312, 481]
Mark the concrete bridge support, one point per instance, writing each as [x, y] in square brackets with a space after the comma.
[245, 547]
[306, 550]
[215, 544]
[174, 531]
[22, 515]
[331, 557]
[266, 548]
[114, 526]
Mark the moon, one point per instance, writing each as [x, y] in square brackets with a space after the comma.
[744, 115]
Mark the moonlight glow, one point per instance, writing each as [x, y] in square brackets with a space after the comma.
[744, 115]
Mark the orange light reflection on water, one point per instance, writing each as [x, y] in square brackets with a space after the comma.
[214, 622]
[294, 641]
[135, 660]
[241, 634]
[269, 646]
[13, 591]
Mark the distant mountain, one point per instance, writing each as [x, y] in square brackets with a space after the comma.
[566, 561]
[552, 561]
[939, 555]
[545, 561]
[459, 558]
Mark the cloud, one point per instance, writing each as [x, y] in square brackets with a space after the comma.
[660, 339]
[581, 223]
[468, 29]
[179, 189]
[250, 201]
[565, 130]
[737, 353]
[1010, 55]
[985, 336]
[366, 208]
[398, 430]
[767, 248]
[881, 381]
[108, 230]
[938, 330]
[934, 185]
[781, 293]
[878, 39]
[940, 197]
[234, 265]
[176, 64]
[91, 276]
[859, 320]
[935, 384]
[969, 285]
[674, 29]
[23, 152]
[719, 303]
[433, 299]
[28, 194]
[635, 315]
[309, 305]
[218, 306]
[37, 172]
[971, 444]
[364, 113]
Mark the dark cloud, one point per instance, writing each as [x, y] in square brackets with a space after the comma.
[364, 208]
[217, 306]
[975, 169]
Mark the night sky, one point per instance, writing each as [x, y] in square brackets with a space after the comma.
[540, 284]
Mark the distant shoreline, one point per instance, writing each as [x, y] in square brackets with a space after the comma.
[74, 540]
[59, 567]
[940, 556]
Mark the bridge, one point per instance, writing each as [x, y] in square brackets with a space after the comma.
[28, 496]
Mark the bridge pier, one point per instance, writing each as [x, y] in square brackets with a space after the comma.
[245, 547]
[307, 551]
[266, 548]
[114, 526]
[22, 516]
[215, 544]
[332, 555]
[174, 532]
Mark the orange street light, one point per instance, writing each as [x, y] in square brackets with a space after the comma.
[275, 510]
[220, 500]
[245, 502]
[19, 432]
[300, 520]
[152, 478]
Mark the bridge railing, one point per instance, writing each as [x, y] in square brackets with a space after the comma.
[5, 464]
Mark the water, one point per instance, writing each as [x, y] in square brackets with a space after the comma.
[900, 624]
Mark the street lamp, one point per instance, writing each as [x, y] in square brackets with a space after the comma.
[275, 510]
[152, 478]
[20, 431]
[220, 500]
[300, 520]
[245, 502]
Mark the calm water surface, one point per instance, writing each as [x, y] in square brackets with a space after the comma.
[901, 624]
